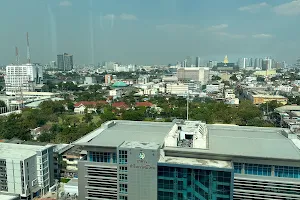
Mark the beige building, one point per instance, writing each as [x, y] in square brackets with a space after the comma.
[263, 98]
[200, 74]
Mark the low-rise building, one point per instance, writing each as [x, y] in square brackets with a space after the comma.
[177, 88]
[87, 106]
[264, 98]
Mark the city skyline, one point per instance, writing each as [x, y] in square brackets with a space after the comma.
[156, 32]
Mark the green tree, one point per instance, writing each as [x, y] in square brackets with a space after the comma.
[2, 104]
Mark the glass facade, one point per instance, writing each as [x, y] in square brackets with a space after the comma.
[288, 172]
[266, 170]
[257, 169]
[106, 157]
[198, 184]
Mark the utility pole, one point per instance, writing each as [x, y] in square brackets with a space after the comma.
[187, 106]
[56, 184]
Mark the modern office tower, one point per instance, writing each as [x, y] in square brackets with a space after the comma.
[198, 61]
[188, 160]
[26, 169]
[243, 63]
[189, 61]
[193, 73]
[267, 64]
[65, 62]
[258, 63]
[23, 78]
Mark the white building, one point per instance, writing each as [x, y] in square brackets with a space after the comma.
[23, 78]
[200, 74]
[177, 89]
[27, 170]
[284, 88]
[90, 80]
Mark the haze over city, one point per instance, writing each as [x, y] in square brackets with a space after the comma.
[150, 32]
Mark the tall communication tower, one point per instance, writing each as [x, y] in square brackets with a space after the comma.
[28, 50]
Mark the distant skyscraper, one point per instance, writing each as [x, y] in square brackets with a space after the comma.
[189, 61]
[68, 62]
[198, 59]
[65, 62]
[226, 60]
[298, 63]
[52, 65]
[267, 64]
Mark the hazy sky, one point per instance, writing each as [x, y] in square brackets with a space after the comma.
[150, 31]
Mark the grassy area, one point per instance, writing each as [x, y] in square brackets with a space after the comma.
[64, 180]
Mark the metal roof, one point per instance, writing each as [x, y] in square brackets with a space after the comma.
[129, 131]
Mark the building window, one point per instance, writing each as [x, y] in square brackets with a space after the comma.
[257, 169]
[114, 157]
[123, 198]
[122, 157]
[123, 169]
[99, 157]
[123, 188]
[123, 177]
[238, 168]
[287, 171]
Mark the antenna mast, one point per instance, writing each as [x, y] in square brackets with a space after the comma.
[28, 49]
[17, 56]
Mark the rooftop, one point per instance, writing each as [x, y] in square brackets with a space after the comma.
[18, 151]
[119, 131]
[195, 162]
[4, 196]
[288, 108]
[249, 142]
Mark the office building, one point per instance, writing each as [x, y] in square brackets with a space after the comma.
[25, 78]
[26, 169]
[267, 64]
[188, 160]
[193, 73]
[65, 62]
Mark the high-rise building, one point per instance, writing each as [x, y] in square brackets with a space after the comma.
[189, 61]
[267, 64]
[188, 160]
[65, 62]
[25, 78]
[193, 73]
[68, 62]
[53, 65]
[298, 63]
[198, 59]
[26, 169]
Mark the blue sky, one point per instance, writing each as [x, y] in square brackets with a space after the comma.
[150, 32]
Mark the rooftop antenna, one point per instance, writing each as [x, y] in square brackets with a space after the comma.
[17, 56]
[28, 49]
